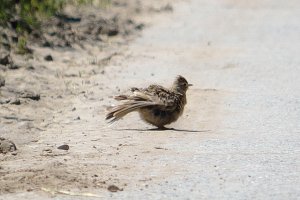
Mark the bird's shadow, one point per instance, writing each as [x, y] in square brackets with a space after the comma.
[164, 129]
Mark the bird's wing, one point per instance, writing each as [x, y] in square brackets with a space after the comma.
[163, 97]
[156, 95]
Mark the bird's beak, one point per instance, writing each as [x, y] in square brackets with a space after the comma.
[190, 85]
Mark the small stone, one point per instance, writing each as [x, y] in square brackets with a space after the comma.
[30, 68]
[30, 95]
[113, 188]
[77, 118]
[2, 81]
[4, 101]
[48, 58]
[112, 32]
[5, 60]
[48, 150]
[47, 44]
[6, 146]
[13, 66]
[64, 147]
[15, 101]
[139, 26]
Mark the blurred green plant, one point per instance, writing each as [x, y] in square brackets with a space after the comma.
[5, 8]
[25, 15]
[21, 46]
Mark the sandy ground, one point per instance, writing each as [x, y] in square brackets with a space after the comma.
[238, 137]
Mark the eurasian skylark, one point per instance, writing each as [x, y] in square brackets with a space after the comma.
[156, 105]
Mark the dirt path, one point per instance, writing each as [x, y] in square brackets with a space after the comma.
[238, 137]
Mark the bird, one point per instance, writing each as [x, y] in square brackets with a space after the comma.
[155, 104]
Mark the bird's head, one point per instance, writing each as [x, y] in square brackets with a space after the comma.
[181, 85]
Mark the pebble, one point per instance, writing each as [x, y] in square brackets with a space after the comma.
[6, 146]
[48, 58]
[63, 147]
[113, 188]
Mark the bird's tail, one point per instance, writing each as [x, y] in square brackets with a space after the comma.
[120, 111]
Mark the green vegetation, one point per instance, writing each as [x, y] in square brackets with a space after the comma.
[29, 13]
[26, 15]
[22, 48]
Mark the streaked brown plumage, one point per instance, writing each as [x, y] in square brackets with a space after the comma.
[156, 105]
